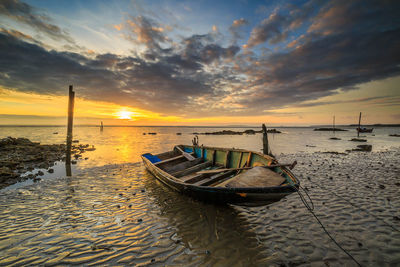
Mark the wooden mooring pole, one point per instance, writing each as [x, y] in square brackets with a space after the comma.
[359, 125]
[69, 129]
[265, 140]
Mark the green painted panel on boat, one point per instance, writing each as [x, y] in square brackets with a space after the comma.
[209, 154]
[244, 159]
[234, 159]
[220, 157]
[256, 158]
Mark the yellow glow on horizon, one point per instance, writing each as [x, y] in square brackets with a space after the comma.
[26, 108]
[124, 114]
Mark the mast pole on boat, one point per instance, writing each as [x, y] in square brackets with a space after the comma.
[359, 125]
[333, 123]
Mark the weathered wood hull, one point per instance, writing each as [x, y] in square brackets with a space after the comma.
[246, 196]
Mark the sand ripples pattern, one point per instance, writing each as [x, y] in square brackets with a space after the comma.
[120, 215]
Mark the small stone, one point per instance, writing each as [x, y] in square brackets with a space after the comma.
[139, 220]
[50, 170]
[360, 244]
[208, 252]
[118, 206]
[40, 173]
[153, 260]
[381, 186]
[143, 190]
[130, 206]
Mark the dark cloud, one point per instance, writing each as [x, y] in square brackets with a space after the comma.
[29, 15]
[277, 26]
[163, 85]
[330, 57]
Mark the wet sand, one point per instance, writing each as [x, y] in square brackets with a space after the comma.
[120, 215]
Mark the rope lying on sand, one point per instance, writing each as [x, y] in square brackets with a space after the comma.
[311, 210]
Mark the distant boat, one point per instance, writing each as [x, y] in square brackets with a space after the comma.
[363, 129]
[223, 175]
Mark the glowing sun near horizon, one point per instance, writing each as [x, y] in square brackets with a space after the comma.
[124, 115]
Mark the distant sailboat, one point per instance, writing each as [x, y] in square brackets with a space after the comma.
[362, 130]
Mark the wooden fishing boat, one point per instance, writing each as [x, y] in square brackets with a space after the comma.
[361, 129]
[365, 130]
[223, 175]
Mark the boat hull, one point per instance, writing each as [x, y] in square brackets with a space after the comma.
[243, 196]
[365, 130]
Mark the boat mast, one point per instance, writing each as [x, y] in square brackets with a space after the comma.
[359, 123]
[333, 123]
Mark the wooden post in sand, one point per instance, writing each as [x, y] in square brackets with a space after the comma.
[359, 125]
[69, 129]
[265, 140]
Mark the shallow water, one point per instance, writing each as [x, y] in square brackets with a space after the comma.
[120, 215]
[117, 145]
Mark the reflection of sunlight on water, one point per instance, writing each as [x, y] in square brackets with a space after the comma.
[115, 145]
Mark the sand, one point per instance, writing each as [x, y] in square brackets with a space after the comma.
[120, 215]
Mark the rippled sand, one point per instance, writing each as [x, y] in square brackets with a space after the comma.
[120, 215]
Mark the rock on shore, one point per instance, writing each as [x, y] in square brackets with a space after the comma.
[19, 155]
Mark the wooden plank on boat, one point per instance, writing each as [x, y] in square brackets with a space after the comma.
[215, 178]
[183, 165]
[226, 161]
[248, 168]
[192, 169]
[214, 153]
[192, 178]
[255, 177]
[248, 160]
[185, 154]
[240, 160]
[168, 160]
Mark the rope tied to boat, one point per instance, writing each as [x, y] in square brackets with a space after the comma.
[310, 208]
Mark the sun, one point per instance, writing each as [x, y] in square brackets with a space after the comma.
[124, 115]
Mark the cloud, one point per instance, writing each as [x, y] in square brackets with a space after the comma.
[146, 32]
[166, 84]
[28, 15]
[235, 28]
[198, 76]
[279, 24]
[327, 57]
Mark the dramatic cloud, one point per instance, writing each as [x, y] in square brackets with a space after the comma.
[329, 47]
[28, 15]
[329, 57]
[166, 83]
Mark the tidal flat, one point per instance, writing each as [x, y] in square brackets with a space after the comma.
[118, 214]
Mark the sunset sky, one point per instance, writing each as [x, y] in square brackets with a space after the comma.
[200, 62]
